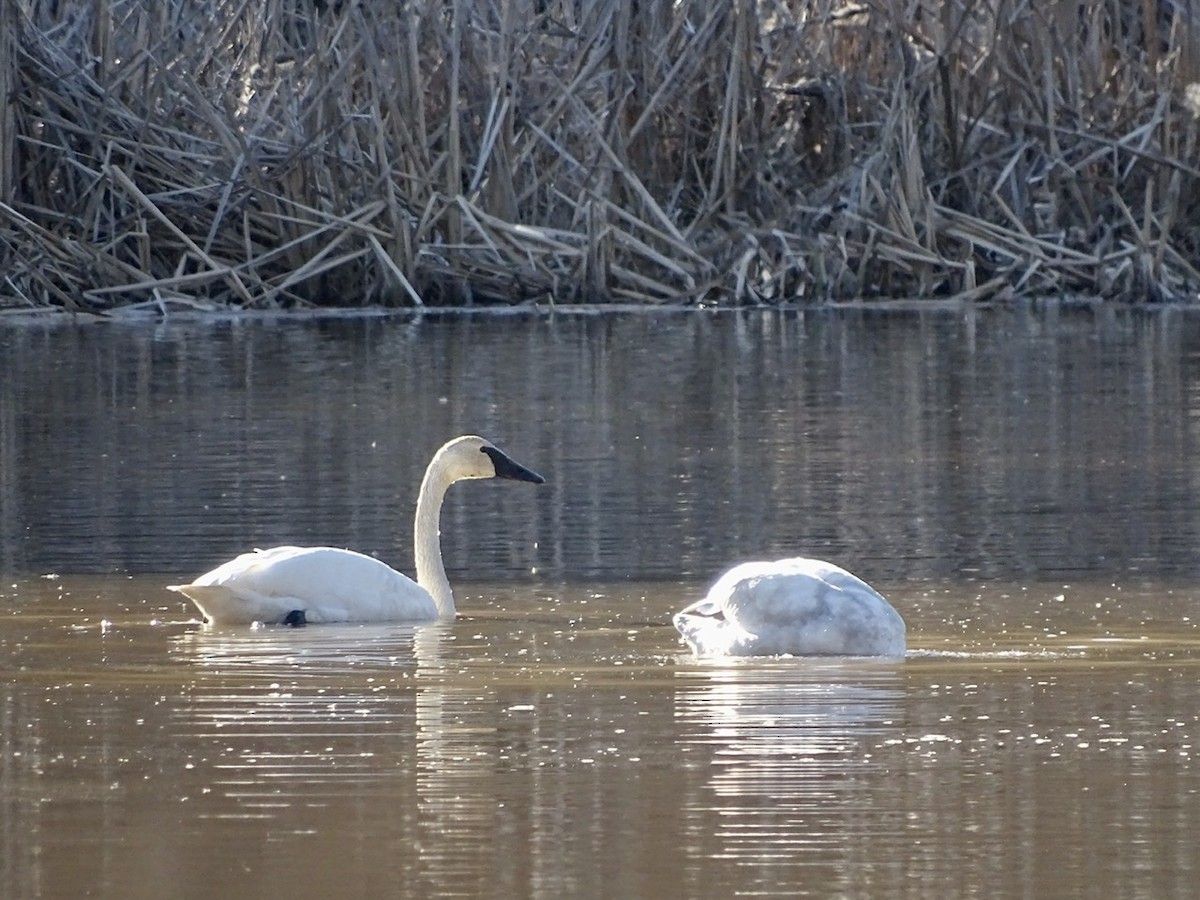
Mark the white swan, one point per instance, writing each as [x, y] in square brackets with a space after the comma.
[298, 585]
[804, 607]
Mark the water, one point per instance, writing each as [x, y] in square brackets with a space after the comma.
[1019, 482]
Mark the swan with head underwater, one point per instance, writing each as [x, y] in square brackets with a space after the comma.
[301, 585]
[801, 607]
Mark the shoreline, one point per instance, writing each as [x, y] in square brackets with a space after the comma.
[900, 306]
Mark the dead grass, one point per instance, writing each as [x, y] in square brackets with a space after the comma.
[294, 152]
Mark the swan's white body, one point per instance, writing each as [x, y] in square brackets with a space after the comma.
[803, 607]
[325, 584]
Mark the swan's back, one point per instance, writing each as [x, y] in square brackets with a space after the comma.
[325, 583]
[798, 606]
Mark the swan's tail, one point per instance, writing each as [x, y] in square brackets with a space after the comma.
[223, 605]
[216, 602]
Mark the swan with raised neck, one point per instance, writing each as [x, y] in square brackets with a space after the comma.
[301, 585]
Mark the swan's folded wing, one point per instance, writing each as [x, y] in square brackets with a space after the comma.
[337, 586]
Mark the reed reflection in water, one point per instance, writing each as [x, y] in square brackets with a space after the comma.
[904, 445]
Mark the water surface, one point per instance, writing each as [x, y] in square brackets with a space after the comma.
[1019, 482]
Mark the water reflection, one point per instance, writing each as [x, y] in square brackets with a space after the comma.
[1019, 482]
[331, 650]
[789, 769]
[481, 749]
[455, 755]
[286, 716]
[530, 744]
[309, 734]
[905, 444]
[561, 742]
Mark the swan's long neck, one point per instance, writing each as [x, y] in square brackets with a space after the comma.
[427, 545]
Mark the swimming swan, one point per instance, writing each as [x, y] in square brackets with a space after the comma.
[804, 607]
[298, 585]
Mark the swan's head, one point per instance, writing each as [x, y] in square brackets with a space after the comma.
[470, 456]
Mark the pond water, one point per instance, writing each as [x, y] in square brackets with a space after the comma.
[1020, 482]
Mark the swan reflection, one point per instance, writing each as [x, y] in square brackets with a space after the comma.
[786, 763]
[308, 729]
[287, 720]
[324, 651]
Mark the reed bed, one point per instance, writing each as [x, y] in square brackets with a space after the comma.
[283, 153]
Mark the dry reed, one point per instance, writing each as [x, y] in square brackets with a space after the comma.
[217, 153]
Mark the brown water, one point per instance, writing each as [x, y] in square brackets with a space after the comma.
[1020, 483]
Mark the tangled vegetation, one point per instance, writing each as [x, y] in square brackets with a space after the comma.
[282, 153]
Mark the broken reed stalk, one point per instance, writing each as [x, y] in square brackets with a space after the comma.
[306, 152]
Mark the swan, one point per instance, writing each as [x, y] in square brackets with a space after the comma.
[301, 585]
[803, 607]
